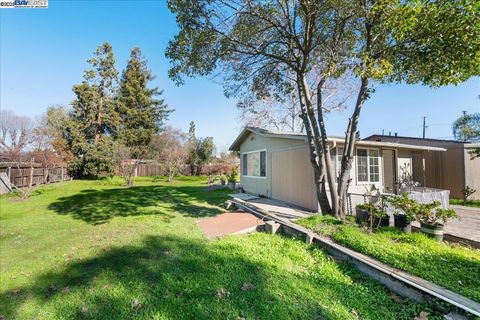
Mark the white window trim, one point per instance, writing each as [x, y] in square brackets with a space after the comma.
[338, 161]
[266, 164]
[380, 170]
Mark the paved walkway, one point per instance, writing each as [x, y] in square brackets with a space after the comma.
[469, 224]
[229, 223]
[467, 227]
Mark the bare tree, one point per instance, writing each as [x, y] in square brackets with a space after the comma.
[16, 134]
[272, 113]
[284, 113]
[170, 150]
[127, 165]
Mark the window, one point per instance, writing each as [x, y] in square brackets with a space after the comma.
[245, 164]
[368, 165]
[339, 157]
[254, 164]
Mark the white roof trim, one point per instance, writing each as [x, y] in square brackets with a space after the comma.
[301, 136]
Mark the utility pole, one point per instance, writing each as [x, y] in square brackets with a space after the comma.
[424, 126]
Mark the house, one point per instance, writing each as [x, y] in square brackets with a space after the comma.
[277, 165]
[453, 170]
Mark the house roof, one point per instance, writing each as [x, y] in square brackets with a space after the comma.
[302, 136]
[379, 137]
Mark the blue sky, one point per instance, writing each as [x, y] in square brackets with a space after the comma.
[44, 52]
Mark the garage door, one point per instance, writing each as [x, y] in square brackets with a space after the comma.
[292, 178]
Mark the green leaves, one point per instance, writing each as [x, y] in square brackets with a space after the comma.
[105, 113]
[140, 111]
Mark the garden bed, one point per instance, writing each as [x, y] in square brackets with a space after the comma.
[454, 267]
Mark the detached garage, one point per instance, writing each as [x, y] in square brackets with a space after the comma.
[277, 165]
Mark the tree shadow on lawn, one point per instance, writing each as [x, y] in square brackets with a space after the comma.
[171, 277]
[99, 206]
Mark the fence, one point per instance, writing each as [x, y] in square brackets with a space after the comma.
[152, 169]
[421, 195]
[21, 174]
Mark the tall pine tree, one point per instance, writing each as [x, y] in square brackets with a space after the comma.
[141, 110]
[94, 117]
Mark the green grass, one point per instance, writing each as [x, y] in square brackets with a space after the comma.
[449, 265]
[94, 250]
[470, 203]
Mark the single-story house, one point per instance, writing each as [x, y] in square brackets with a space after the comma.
[452, 170]
[277, 165]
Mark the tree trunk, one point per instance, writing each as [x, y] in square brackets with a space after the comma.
[99, 121]
[326, 150]
[348, 152]
[316, 157]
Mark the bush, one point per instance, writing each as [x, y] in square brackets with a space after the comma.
[233, 176]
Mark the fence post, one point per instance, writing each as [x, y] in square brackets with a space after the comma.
[61, 173]
[9, 173]
[30, 183]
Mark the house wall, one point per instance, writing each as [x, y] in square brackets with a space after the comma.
[290, 175]
[293, 178]
[443, 170]
[451, 170]
[253, 142]
[472, 174]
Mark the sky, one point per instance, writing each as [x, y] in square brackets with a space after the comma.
[43, 53]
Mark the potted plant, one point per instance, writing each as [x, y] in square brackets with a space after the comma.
[232, 178]
[433, 219]
[403, 215]
[223, 180]
[371, 215]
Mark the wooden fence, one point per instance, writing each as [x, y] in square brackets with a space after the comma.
[153, 169]
[21, 175]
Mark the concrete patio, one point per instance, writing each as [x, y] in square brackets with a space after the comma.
[281, 209]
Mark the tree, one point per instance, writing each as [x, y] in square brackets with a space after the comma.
[475, 153]
[54, 121]
[140, 111]
[16, 134]
[170, 150]
[49, 144]
[205, 151]
[94, 118]
[467, 127]
[126, 163]
[192, 149]
[265, 47]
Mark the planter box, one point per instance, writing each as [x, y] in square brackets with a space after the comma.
[433, 231]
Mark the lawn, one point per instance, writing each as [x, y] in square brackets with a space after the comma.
[96, 250]
[452, 266]
[469, 203]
